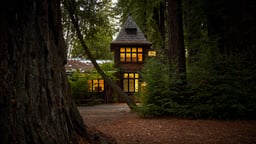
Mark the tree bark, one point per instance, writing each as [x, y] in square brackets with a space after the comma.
[159, 17]
[176, 39]
[35, 102]
[72, 11]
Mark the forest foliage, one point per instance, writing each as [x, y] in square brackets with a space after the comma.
[220, 62]
[96, 21]
[79, 84]
[220, 66]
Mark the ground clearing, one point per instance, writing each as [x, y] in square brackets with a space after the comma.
[127, 128]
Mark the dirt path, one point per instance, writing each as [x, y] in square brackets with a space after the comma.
[127, 128]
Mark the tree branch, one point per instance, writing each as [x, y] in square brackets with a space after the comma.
[69, 4]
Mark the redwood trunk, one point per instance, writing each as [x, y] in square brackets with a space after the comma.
[176, 39]
[35, 102]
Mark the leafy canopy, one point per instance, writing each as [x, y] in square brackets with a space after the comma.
[97, 25]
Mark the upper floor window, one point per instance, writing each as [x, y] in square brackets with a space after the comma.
[131, 54]
[96, 85]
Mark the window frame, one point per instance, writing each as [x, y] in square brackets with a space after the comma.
[131, 54]
[96, 85]
[131, 82]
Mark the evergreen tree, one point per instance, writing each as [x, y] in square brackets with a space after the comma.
[221, 68]
[220, 48]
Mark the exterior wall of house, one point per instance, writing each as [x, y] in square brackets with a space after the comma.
[131, 67]
[127, 67]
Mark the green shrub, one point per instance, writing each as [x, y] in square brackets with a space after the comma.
[218, 88]
[79, 86]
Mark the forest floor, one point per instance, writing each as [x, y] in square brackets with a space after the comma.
[125, 127]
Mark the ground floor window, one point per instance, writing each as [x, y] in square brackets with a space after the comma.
[96, 85]
[131, 82]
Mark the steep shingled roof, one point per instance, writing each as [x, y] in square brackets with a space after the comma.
[130, 33]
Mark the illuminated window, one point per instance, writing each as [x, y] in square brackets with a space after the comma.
[152, 53]
[131, 82]
[96, 85]
[132, 54]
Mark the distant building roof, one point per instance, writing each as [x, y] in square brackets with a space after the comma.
[130, 33]
[81, 64]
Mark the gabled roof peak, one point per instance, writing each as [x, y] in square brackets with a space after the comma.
[130, 23]
[130, 33]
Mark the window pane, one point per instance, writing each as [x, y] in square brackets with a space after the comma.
[125, 75]
[122, 49]
[122, 57]
[134, 50]
[101, 81]
[134, 57]
[128, 49]
[90, 85]
[131, 85]
[136, 85]
[140, 58]
[95, 85]
[131, 75]
[101, 85]
[140, 50]
[136, 75]
[128, 57]
[125, 85]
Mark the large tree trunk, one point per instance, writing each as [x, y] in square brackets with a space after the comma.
[176, 39]
[35, 102]
[159, 17]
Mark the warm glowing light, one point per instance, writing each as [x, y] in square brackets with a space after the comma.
[131, 82]
[96, 85]
[151, 53]
[133, 54]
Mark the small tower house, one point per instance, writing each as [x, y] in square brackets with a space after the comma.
[130, 49]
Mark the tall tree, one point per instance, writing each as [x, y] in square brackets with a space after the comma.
[233, 25]
[221, 39]
[70, 5]
[159, 13]
[195, 28]
[176, 39]
[35, 102]
[95, 20]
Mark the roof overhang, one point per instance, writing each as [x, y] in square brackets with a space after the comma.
[118, 44]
